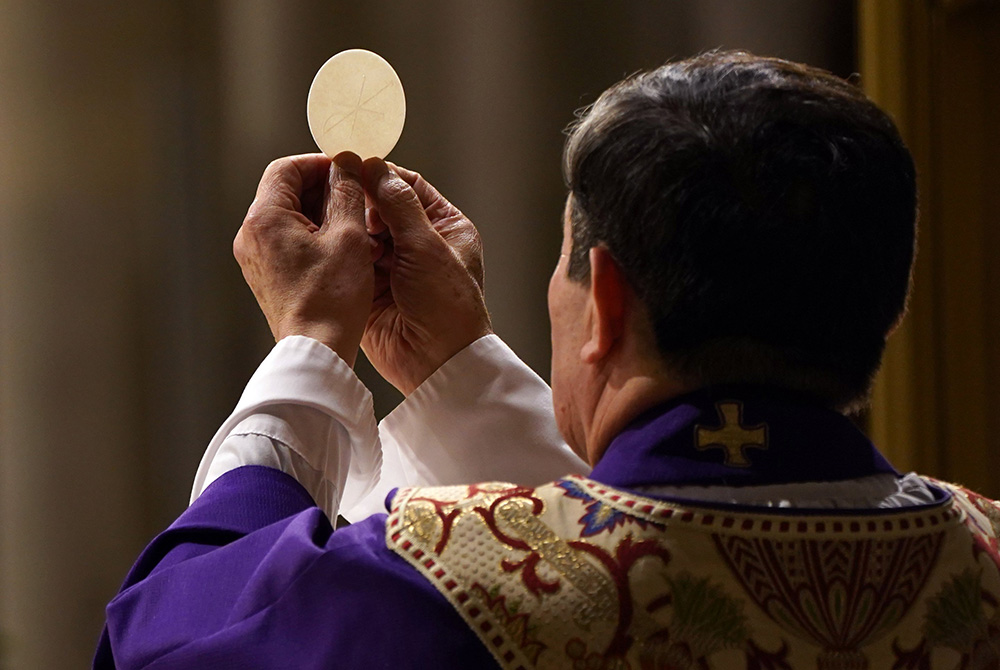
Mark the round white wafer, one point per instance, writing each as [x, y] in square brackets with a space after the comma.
[356, 103]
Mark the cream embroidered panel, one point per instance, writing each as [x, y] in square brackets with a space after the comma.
[575, 574]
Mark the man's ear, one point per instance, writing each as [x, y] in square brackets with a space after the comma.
[607, 300]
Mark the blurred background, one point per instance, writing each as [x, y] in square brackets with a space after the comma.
[132, 136]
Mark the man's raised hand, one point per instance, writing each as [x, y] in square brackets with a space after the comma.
[429, 301]
[305, 252]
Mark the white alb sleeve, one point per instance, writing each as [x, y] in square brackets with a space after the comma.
[484, 415]
[304, 412]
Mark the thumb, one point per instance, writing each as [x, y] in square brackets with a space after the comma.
[398, 204]
[346, 200]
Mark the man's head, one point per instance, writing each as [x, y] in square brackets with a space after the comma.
[762, 215]
[762, 212]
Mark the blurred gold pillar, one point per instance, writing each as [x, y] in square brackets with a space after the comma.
[936, 407]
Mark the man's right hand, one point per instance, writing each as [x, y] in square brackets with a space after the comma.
[429, 301]
[304, 251]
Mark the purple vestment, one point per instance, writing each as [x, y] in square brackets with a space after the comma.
[253, 576]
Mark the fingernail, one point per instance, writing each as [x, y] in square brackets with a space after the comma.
[349, 162]
[375, 171]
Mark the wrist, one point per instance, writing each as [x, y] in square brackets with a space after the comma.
[330, 335]
[442, 356]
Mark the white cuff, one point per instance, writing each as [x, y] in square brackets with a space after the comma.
[302, 371]
[274, 437]
[483, 415]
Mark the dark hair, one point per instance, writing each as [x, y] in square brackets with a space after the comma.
[762, 210]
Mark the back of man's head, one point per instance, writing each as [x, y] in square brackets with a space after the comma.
[763, 212]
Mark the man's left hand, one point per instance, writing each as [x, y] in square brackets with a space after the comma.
[428, 301]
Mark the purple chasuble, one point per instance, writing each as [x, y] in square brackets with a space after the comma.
[253, 576]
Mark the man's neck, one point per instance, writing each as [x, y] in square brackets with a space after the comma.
[622, 399]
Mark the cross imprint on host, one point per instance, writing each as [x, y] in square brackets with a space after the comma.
[731, 436]
[353, 110]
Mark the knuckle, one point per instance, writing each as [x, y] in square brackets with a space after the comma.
[257, 228]
[468, 236]
[239, 246]
[277, 165]
[349, 193]
[247, 242]
[471, 231]
[252, 224]
[395, 191]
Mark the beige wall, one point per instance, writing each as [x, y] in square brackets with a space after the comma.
[133, 134]
[932, 64]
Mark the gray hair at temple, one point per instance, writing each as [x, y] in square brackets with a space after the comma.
[763, 211]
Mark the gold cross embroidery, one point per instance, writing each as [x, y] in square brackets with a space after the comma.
[731, 435]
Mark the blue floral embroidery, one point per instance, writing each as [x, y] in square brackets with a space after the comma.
[599, 516]
[574, 490]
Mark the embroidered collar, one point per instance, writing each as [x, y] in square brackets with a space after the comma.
[738, 436]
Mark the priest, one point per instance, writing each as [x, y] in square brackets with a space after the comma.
[737, 244]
